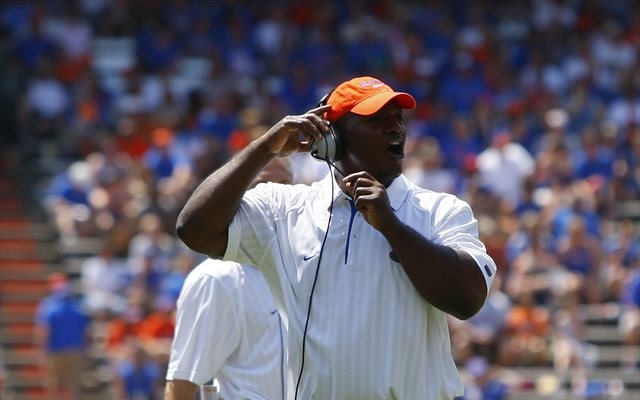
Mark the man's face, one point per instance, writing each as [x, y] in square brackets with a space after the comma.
[374, 143]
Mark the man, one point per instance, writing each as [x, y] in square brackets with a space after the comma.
[137, 375]
[504, 168]
[365, 263]
[228, 327]
[62, 333]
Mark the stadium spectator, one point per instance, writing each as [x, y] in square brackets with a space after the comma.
[73, 34]
[580, 253]
[481, 334]
[573, 358]
[630, 318]
[503, 168]
[526, 335]
[483, 381]
[460, 144]
[35, 45]
[47, 101]
[62, 336]
[151, 239]
[556, 132]
[424, 167]
[121, 329]
[534, 268]
[105, 280]
[137, 376]
[156, 329]
[595, 161]
[621, 250]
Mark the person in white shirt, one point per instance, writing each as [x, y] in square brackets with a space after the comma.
[365, 263]
[504, 168]
[228, 327]
[105, 278]
[425, 167]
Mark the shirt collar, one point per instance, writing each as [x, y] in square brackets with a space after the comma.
[325, 189]
[397, 191]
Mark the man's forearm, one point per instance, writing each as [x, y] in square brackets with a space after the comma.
[180, 390]
[203, 222]
[448, 279]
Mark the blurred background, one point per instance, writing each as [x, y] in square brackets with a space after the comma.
[112, 111]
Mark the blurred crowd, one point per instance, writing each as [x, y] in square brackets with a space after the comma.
[529, 110]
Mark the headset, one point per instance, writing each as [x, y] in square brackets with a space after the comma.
[330, 149]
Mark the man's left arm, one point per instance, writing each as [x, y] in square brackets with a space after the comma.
[445, 273]
[449, 279]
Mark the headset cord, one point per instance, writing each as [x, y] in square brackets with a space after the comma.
[315, 280]
[330, 164]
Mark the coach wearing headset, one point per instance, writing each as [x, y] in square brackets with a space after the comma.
[365, 263]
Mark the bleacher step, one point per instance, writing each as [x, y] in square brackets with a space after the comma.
[631, 377]
[603, 335]
[533, 395]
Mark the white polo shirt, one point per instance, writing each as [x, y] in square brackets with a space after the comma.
[227, 326]
[370, 335]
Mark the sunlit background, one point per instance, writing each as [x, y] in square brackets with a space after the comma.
[111, 111]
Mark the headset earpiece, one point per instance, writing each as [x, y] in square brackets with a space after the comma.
[330, 149]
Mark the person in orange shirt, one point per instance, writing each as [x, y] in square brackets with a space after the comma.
[526, 334]
[123, 327]
[156, 330]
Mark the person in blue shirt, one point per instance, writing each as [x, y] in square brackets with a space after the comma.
[62, 333]
[629, 322]
[483, 383]
[137, 376]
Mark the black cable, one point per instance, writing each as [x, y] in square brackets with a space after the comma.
[337, 169]
[315, 280]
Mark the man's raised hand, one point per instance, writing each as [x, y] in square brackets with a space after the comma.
[293, 133]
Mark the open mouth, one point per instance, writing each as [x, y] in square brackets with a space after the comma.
[396, 148]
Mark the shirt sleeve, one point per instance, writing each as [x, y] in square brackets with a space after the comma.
[253, 227]
[456, 227]
[207, 330]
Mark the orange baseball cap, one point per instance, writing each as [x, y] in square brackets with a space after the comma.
[364, 96]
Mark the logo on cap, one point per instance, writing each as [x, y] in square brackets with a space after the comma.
[373, 83]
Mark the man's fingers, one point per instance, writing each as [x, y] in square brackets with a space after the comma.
[307, 123]
[321, 109]
[319, 122]
[305, 126]
[352, 179]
